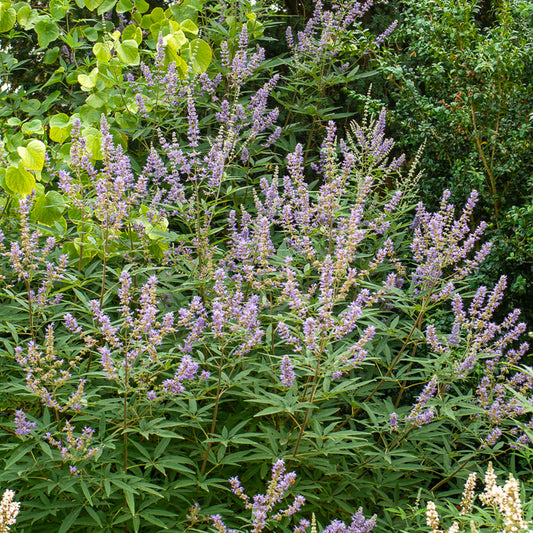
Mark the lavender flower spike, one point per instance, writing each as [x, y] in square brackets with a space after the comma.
[23, 426]
[287, 373]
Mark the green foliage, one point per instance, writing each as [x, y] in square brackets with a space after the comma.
[459, 80]
[188, 293]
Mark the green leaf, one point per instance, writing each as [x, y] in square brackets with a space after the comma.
[59, 8]
[102, 51]
[91, 5]
[18, 454]
[69, 520]
[98, 100]
[200, 55]
[130, 500]
[91, 33]
[51, 55]
[27, 17]
[47, 31]
[59, 127]
[33, 155]
[154, 520]
[124, 5]
[141, 6]
[8, 16]
[56, 77]
[19, 180]
[86, 492]
[128, 52]
[189, 26]
[48, 207]
[132, 32]
[106, 6]
[88, 81]
[95, 516]
[33, 126]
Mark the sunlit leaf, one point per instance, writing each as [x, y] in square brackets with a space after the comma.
[32, 155]
[128, 52]
[19, 180]
[200, 55]
[8, 16]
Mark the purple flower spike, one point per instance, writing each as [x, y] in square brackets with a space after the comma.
[23, 427]
[287, 373]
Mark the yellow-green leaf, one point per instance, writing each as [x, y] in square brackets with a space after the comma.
[128, 52]
[32, 155]
[102, 51]
[141, 6]
[91, 5]
[124, 5]
[33, 126]
[59, 127]
[132, 32]
[157, 14]
[8, 16]
[189, 26]
[93, 141]
[19, 180]
[175, 40]
[27, 17]
[88, 81]
[199, 55]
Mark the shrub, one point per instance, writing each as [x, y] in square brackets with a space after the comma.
[179, 310]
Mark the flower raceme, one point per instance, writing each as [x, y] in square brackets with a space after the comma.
[264, 515]
[9, 510]
[502, 503]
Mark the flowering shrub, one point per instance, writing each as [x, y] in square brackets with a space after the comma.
[190, 295]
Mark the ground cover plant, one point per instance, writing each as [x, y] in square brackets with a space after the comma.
[209, 288]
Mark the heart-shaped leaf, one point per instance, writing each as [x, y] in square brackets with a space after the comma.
[200, 55]
[88, 81]
[48, 207]
[32, 155]
[59, 127]
[19, 180]
[91, 5]
[102, 51]
[128, 52]
[47, 31]
[8, 16]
